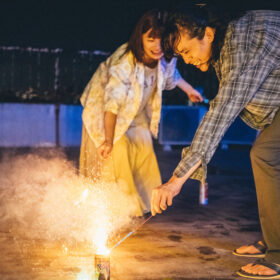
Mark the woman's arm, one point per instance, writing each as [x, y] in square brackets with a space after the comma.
[109, 126]
[174, 78]
[192, 93]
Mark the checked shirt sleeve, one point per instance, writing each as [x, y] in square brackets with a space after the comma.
[235, 92]
[250, 50]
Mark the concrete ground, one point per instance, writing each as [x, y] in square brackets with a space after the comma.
[188, 241]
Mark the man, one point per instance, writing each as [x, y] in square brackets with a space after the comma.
[245, 53]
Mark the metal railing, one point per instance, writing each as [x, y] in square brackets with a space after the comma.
[45, 75]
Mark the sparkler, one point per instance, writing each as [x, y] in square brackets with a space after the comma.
[130, 233]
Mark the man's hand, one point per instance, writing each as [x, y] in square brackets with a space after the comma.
[194, 95]
[105, 149]
[163, 195]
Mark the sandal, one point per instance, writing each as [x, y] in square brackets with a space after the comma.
[262, 248]
[263, 263]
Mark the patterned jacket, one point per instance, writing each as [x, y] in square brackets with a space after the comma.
[117, 86]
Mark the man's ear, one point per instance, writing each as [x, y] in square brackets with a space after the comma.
[209, 34]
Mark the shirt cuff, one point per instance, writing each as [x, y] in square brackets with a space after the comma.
[189, 159]
[177, 77]
[112, 107]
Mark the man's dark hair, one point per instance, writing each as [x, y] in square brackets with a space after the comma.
[194, 19]
[154, 20]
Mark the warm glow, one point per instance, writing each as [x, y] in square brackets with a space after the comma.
[83, 197]
[100, 239]
[103, 250]
[84, 275]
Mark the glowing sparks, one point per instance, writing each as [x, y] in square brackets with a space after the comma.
[100, 240]
[65, 249]
[84, 275]
[103, 250]
[83, 197]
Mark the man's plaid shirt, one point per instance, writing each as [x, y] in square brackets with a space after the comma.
[249, 73]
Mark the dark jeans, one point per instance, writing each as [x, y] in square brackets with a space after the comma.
[265, 158]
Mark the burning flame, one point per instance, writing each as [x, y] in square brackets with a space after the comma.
[100, 240]
[84, 275]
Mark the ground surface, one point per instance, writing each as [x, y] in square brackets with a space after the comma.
[188, 241]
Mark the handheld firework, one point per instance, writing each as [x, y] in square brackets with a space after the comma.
[102, 262]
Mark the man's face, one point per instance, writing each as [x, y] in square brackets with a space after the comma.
[194, 51]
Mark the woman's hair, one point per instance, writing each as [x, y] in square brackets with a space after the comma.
[194, 19]
[154, 20]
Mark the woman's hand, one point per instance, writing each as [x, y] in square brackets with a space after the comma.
[194, 95]
[109, 126]
[163, 195]
[105, 149]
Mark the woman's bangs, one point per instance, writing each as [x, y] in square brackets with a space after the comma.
[156, 33]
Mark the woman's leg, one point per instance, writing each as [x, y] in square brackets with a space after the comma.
[144, 164]
[116, 168]
[123, 173]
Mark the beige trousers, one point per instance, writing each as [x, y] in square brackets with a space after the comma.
[132, 162]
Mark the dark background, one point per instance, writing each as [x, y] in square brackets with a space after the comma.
[73, 24]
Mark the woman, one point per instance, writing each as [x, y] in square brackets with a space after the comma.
[245, 53]
[122, 105]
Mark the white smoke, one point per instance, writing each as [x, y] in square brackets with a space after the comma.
[42, 196]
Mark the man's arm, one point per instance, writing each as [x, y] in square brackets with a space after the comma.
[162, 196]
[233, 96]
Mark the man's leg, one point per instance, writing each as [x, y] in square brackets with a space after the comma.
[266, 168]
[265, 157]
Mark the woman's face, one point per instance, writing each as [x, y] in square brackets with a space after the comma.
[194, 51]
[152, 47]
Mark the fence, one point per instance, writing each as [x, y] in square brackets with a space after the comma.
[45, 75]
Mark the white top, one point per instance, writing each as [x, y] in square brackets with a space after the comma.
[149, 89]
[117, 86]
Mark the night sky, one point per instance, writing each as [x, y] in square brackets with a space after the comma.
[72, 25]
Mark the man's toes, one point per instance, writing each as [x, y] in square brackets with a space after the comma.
[263, 270]
[240, 250]
[247, 249]
[251, 249]
[247, 267]
[250, 268]
[258, 269]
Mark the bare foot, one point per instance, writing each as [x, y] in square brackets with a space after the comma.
[258, 269]
[251, 249]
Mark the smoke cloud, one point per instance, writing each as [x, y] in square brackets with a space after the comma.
[42, 196]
